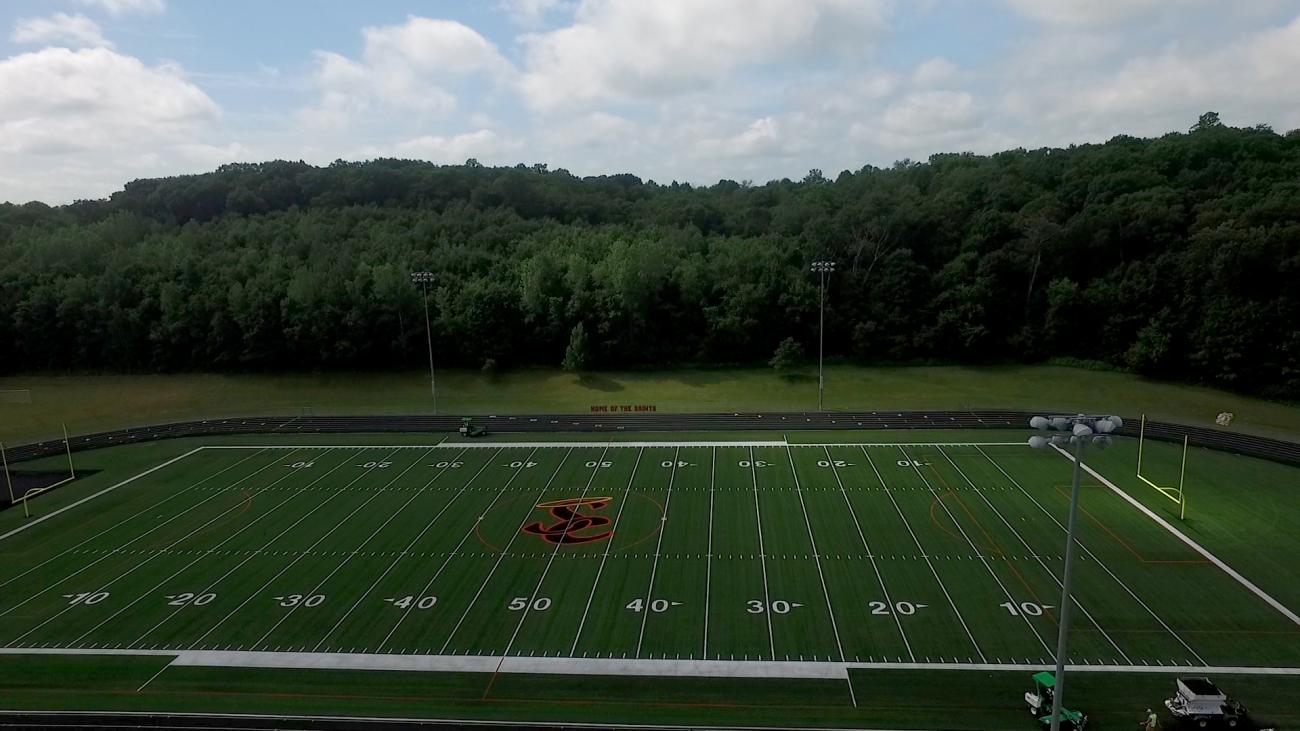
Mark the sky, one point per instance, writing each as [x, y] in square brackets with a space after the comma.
[94, 93]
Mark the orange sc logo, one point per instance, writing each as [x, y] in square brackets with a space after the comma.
[571, 522]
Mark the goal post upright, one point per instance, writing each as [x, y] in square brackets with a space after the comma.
[68, 445]
[1182, 477]
[8, 480]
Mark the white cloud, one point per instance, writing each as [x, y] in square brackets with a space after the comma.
[74, 30]
[1093, 13]
[122, 7]
[487, 146]
[404, 66]
[532, 13]
[77, 123]
[623, 50]
[934, 72]
[1250, 80]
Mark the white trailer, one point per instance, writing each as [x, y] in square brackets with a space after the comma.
[1201, 702]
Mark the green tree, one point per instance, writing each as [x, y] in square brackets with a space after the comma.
[578, 355]
[788, 356]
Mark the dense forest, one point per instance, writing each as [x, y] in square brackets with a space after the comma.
[1177, 257]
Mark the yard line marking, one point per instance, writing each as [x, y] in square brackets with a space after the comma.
[654, 567]
[135, 567]
[708, 566]
[119, 549]
[1038, 558]
[978, 553]
[870, 554]
[1093, 556]
[917, 541]
[762, 555]
[202, 555]
[130, 517]
[402, 554]
[608, 545]
[506, 549]
[278, 574]
[1286, 612]
[348, 556]
[454, 551]
[817, 557]
[106, 490]
[532, 598]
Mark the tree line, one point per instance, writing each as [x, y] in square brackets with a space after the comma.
[1175, 257]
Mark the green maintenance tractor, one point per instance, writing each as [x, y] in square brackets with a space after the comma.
[467, 428]
[1039, 701]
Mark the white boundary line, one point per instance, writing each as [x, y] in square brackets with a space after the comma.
[708, 556]
[607, 666]
[1279, 606]
[105, 491]
[592, 443]
[817, 558]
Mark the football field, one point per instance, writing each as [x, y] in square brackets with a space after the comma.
[761, 558]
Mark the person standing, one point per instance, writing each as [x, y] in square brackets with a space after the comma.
[1151, 721]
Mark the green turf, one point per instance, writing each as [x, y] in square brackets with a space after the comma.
[98, 403]
[763, 555]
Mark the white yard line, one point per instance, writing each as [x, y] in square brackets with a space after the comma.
[605, 556]
[659, 542]
[978, 553]
[506, 549]
[205, 554]
[281, 572]
[88, 498]
[360, 545]
[1035, 554]
[133, 568]
[608, 666]
[708, 556]
[835, 628]
[830, 610]
[134, 515]
[870, 555]
[402, 554]
[532, 598]
[885, 486]
[251, 555]
[1093, 556]
[762, 557]
[1250, 586]
[456, 551]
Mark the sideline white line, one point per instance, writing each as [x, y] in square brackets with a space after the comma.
[612, 445]
[608, 666]
[105, 491]
[1279, 606]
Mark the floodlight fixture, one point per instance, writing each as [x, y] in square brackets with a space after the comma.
[1079, 430]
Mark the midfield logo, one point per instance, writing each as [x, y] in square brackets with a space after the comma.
[571, 522]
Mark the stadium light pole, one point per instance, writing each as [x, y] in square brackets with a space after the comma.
[1082, 430]
[424, 279]
[822, 267]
